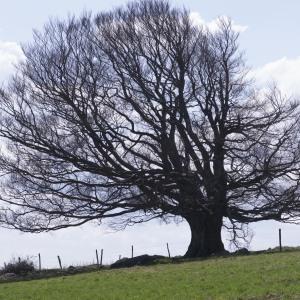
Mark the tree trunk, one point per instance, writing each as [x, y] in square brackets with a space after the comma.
[205, 235]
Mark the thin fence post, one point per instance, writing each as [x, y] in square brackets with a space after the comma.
[59, 261]
[97, 257]
[101, 257]
[40, 262]
[168, 250]
[280, 245]
[132, 251]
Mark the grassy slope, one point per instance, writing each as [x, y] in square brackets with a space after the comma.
[265, 276]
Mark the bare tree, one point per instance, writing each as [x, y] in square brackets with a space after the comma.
[138, 114]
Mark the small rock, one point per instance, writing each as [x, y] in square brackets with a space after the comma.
[71, 269]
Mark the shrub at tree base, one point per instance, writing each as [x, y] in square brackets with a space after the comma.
[141, 260]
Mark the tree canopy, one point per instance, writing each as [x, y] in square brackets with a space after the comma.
[137, 114]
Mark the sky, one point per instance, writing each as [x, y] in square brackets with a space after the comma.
[269, 36]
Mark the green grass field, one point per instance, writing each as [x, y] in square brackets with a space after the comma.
[264, 276]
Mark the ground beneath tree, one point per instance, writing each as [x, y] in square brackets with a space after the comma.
[268, 276]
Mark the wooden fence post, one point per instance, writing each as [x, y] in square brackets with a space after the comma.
[59, 261]
[40, 262]
[168, 250]
[101, 257]
[97, 257]
[280, 245]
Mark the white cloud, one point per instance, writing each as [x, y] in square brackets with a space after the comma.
[213, 24]
[10, 53]
[284, 72]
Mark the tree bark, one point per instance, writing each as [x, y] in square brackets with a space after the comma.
[205, 235]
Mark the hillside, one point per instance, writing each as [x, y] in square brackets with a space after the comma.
[264, 276]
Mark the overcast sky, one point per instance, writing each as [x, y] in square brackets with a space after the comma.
[269, 35]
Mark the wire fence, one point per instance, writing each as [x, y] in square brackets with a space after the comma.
[40, 262]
